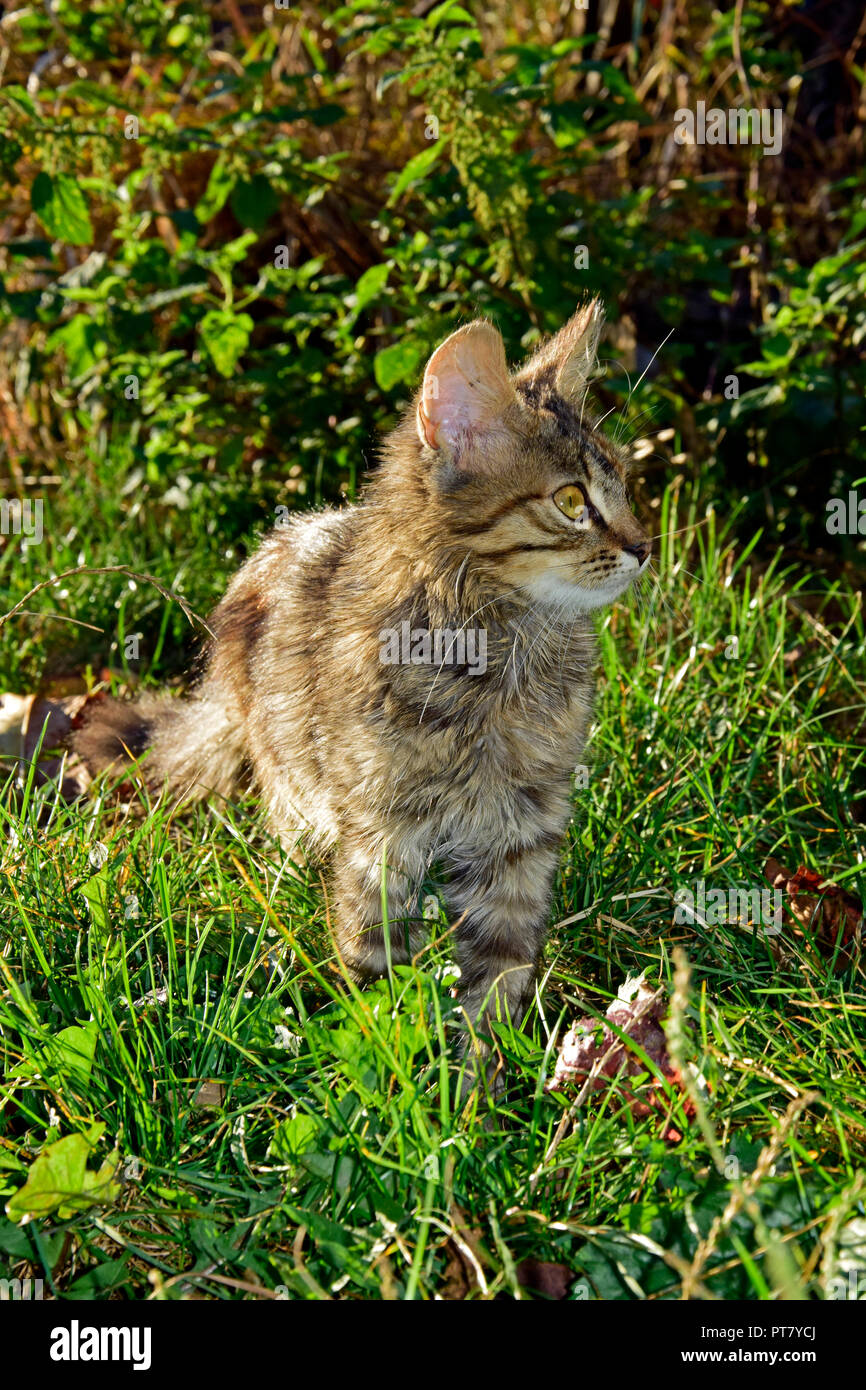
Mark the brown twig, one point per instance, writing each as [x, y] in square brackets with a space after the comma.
[191, 616]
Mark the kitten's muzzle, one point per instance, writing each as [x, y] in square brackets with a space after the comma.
[640, 550]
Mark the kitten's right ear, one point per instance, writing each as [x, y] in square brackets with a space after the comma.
[466, 389]
[567, 360]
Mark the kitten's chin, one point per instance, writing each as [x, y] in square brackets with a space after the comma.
[557, 592]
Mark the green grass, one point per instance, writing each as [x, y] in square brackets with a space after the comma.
[332, 1160]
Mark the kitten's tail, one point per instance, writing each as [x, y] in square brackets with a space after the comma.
[194, 747]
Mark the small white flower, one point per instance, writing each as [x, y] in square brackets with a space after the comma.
[153, 996]
[630, 988]
[447, 973]
[286, 1040]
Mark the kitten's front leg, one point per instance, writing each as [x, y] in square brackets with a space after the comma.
[359, 917]
[501, 902]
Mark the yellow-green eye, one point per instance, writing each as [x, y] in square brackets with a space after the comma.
[571, 502]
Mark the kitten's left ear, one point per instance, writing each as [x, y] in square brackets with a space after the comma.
[568, 359]
[466, 389]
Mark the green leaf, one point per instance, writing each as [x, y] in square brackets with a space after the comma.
[60, 1181]
[95, 890]
[178, 35]
[219, 186]
[370, 285]
[253, 202]
[565, 122]
[100, 1281]
[29, 246]
[94, 93]
[454, 13]
[61, 207]
[78, 338]
[397, 363]
[328, 114]
[17, 1242]
[416, 168]
[225, 335]
[10, 152]
[68, 1055]
[73, 1052]
[20, 97]
[294, 1137]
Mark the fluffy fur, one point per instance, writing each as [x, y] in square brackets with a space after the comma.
[419, 763]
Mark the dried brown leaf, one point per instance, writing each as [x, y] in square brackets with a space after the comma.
[545, 1277]
[593, 1054]
[832, 916]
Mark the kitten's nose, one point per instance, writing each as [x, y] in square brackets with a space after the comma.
[640, 551]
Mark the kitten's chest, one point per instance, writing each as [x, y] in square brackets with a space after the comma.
[542, 733]
[494, 767]
[529, 711]
[528, 738]
[512, 783]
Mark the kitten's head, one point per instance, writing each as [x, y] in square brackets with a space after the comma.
[516, 473]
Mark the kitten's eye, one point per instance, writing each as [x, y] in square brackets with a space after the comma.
[571, 502]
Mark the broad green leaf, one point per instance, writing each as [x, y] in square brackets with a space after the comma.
[29, 246]
[68, 1055]
[416, 168]
[565, 122]
[60, 1181]
[77, 338]
[294, 1137]
[254, 202]
[328, 114]
[99, 1281]
[73, 1051]
[370, 285]
[61, 207]
[397, 363]
[225, 335]
[451, 11]
[11, 151]
[17, 1242]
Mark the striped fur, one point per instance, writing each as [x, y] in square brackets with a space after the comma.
[419, 764]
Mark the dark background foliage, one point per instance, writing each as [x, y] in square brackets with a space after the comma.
[417, 167]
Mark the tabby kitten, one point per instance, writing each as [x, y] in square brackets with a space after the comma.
[340, 672]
